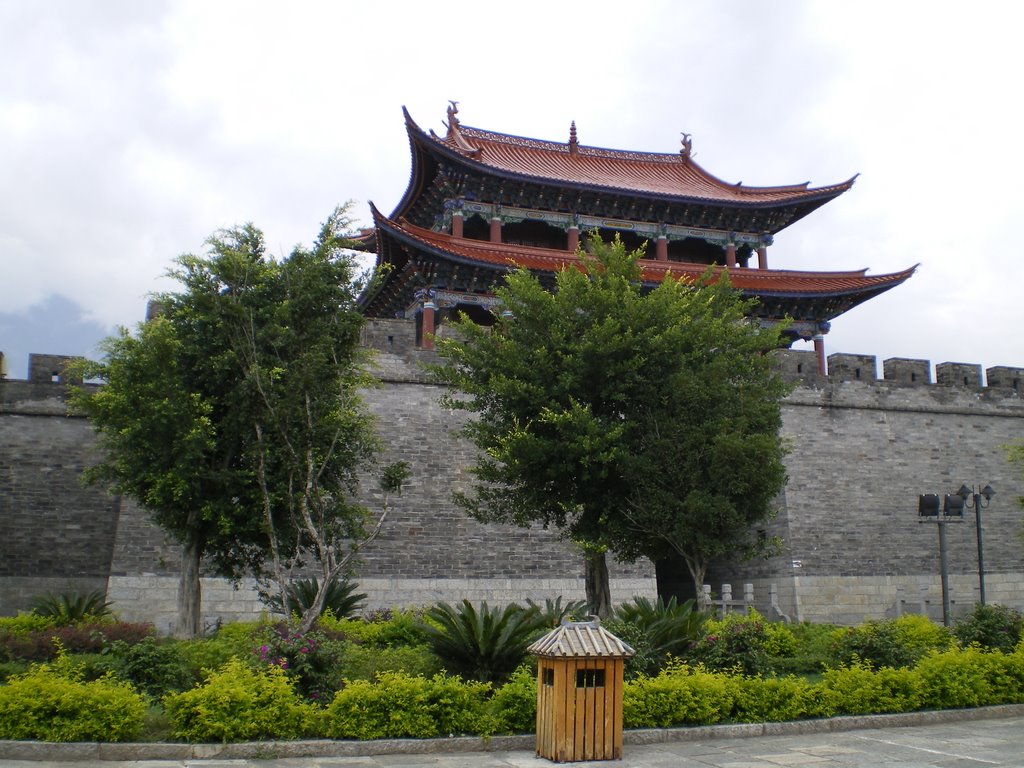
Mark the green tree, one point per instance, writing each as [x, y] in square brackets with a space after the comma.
[622, 415]
[234, 414]
[166, 444]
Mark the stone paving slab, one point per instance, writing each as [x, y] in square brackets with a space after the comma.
[992, 736]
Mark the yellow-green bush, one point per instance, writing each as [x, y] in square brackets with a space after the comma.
[514, 704]
[970, 678]
[397, 705]
[857, 689]
[679, 695]
[775, 699]
[239, 703]
[51, 702]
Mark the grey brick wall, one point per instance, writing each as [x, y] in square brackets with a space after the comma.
[862, 450]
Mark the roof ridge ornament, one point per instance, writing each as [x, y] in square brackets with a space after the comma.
[574, 145]
[687, 141]
[454, 135]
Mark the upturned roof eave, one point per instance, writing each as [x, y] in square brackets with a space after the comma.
[428, 143]
[559, 260]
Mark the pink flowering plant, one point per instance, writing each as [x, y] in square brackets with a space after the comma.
[312, 659]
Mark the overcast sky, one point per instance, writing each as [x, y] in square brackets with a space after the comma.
[131, 130]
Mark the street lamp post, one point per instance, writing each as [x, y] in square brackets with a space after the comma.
[928, 511]
[976, 496]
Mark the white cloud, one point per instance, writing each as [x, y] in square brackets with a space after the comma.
[134, 130]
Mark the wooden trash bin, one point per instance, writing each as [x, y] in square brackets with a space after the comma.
[579, 692]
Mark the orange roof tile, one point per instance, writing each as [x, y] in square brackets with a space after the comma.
[675, 176]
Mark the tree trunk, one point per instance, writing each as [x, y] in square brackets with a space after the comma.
[698, 570]
[599, 593]
[189, 589]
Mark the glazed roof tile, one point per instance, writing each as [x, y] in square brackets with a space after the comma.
[581, 639]
[755, 281]
[675, 176]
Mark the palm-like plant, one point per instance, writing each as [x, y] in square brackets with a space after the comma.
[71, 607]
[484, 643]
[341, 599]
[555, 611]
[669, 629]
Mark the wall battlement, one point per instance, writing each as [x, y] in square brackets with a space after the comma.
[398, 359]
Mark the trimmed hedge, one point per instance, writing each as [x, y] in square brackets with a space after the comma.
[51, 702]
[240, 703]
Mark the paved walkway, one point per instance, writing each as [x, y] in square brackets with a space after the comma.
[969, 743]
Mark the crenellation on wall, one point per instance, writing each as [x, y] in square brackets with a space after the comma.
[907, 371]
[1004, 377]
[843, 367]
[51, 369]
[958, 375]
[798, 365]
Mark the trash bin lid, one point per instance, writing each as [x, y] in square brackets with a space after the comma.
[581, 639]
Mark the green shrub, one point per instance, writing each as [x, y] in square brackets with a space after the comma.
[679, 695]
[312, 659]
[645, 661]
[154, 667]
[857, 689]
[667, 629]
[9, 669]
[385, 629]
[735, 643]
[401, 706]
[813, 651]
[890, 642]
[774, 699]
[514, 705]
[231, 641]
[51, 702]
[990, 626]
[24, 623]
[361, 662]
[72, 607]
[961, 678]
[239, 703]
[484, 643]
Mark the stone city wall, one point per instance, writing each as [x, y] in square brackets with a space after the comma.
[862, 450]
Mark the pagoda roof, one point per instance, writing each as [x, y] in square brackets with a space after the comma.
[405, 245]
[668, 177]
[581, 640]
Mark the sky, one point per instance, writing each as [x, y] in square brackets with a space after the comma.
[131, 131]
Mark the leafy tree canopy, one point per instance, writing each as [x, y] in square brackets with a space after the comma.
[639, 419]
[233, 413]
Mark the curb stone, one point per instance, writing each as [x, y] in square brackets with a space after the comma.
[255, 750]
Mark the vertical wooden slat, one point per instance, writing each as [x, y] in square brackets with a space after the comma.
[616, 752]
[564, 702]
[611, 718]
[543, 715]
[579, 735]
[592, 714]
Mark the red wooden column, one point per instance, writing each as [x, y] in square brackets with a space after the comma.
[427, 325]
[496, 230]
[819, 350]
[574, 238]
[661, 248]
[762, 252]
[730, 254]
[457, 222]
